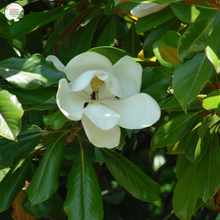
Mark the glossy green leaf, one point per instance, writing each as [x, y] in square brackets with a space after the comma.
[30, 73]
[52, 207]
[213, 51]
[171, 38]
[48, 105]
[81, 42]
[178, 147]
[206, 178]
[212, 101]
[5, 27]
[57, 211]
[46, 179]
[196, 146]
[193, 40]
[131, 42]
[128, 175]
[156, 34]
[185, 12]
[71, 27]
[99, 156]
[10, 115]
[169, 103]
[35, 20]
[84, 200]
[155, 83]
[33, 97]
[56, 120]
[7, 49]
[112, 53]
[173, 130]
[108, 34]
[190, 13]
[39, 210]
[184, 197]
[3, 172]
[194, 73]
[152, 20]
[13, 182]
[72, 151]
[11, 152]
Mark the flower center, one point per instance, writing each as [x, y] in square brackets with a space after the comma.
[96, 84]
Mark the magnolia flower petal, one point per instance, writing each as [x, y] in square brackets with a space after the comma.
[112, 83]
[69, 103]
[101, 116]
[83, 80]
[147, 8]
[138, 111]
[85, 62]
[129, 74]
[101, 138]
[56, 62]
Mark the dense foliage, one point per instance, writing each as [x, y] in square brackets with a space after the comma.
[169, 170]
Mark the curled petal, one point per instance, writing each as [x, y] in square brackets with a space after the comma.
[129, 74]
[101, 138]
[110, 80]
[56, 62]
[83, 80]
[147, 8]
[69, 103]
[85, 62]
[138, 111]
[101, 116]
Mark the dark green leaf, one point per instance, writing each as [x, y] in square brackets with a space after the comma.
[169, 103]
[39, 210]
[112, 53]
[46, 179]
[33, 97]
[30, 73]
[185, 195]
[13, 182]
[82, 41]
[155, 83]
[206, 178]
[190, 77]
[108, 34]
[11, 152]
[156, 34]
[35, 20]
[7, 49]
[194, 39]
[56, 120]
[134, 180]
[4, 27]
[84, 200]
[190, 13]
[132, 42]
[99, 156]
[72, 151]
[10, 115]
[173, 130]
[152, 20]
[196, 146]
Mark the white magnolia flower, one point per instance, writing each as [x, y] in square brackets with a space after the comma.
[147, 8]
[104, 97]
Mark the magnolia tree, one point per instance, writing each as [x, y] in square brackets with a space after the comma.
[110, 110]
